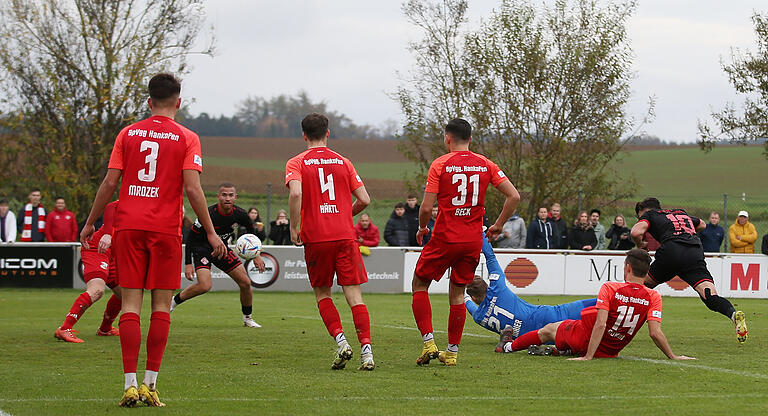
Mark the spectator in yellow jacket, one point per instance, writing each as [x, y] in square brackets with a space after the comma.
[742, 234]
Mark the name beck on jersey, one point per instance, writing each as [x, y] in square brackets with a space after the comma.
[153, 134]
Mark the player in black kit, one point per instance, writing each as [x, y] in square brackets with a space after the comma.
[226, 218]
[681, 254]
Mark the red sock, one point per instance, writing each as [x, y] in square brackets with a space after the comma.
[110, 313]
[526, 340]
[77, 310]
[130, 340]
[157, 337]
[456, 318]
[330, 316]
[362, 323]
[422, 311]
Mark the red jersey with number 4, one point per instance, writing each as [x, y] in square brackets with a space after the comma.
[629, 305]
[327, 181]
[152, 155]
[460, 180]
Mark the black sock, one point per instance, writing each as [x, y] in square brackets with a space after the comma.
[178, 299]
[718, 304]
[247, 310]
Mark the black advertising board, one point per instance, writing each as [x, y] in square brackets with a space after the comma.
[33, 265]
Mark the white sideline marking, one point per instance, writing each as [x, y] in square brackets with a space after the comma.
[688, 364]
[409, 328]
[2, 413]
[544, 397]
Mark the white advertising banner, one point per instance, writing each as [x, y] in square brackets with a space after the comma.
[744, 276]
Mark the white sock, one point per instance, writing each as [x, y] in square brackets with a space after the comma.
[150, 379]
[130, 380]
[366, 349]
[341, 339]
[453, 348]
[428, 337]
[508, 347]
[246, 317]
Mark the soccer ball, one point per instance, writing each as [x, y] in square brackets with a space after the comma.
[248, 246]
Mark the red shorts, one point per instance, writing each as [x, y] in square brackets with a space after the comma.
[437, 256]
[99, 266]
[148, 260]
[328, 257]
[574, 335]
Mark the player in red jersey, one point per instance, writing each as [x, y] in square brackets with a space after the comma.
[622, 308]
[158, 159]
[322, 183]
[457, 181]
[98, 273]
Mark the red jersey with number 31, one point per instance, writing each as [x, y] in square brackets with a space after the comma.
[460, 180]
[629, 305]
[152, 155]
[327, 181]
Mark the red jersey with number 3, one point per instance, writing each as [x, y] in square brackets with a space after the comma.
[152, 155]
[327, 181]
[629, 305]
[460, 180]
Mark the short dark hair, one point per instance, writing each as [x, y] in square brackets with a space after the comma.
[647, 203]
[478, 287]
[595, 210]
[3, 201]
[59, 197]
[412, 196]
[314, 126]
[164, 88]
[399, 205]
[34, 190]
[226, 185]
[639, 260]
[460, 129]
[253, 208]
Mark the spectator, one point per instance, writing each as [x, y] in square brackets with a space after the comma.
[594, 219]
[367, 233]
[431, 224]
[412, 216]
[513, 233]
[60, 224]
[619, 235]
[559, 227]
[742, 234]
[396, 230]
[540, 232]
[280, 230]
[253, 215]
[712, 236]
[31, 218]
[765, 244]
[7, 223]
[582, 236]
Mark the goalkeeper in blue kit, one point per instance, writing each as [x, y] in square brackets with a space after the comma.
[498, 309]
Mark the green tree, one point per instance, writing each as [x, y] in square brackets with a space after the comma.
[748, 74]
[544, 88]
[74, 74]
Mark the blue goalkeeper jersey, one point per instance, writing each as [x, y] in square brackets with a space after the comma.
[502, 309]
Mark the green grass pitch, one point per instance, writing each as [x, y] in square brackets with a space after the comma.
[213, 365]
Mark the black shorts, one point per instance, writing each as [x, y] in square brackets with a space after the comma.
[202, 258]
[684, 260]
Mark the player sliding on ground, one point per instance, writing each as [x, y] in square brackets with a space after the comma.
[158, 160]
[98, 273]
[605, 329]
[226, 217]
[457, 181]
[681, 254]
[500, 310]
[322, 183]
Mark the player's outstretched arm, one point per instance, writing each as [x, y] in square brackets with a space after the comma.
[658, 337]
[510, 205]
[196, 198]
[294, 205]
[425, 213]
[103, 195]
[362, 200]
[597, 335]
[637, 233]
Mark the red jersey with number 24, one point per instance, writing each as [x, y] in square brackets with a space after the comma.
[152, 155]
[629, 305]
[327, 181]
[460, 180]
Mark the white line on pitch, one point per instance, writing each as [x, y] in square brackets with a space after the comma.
[696, 366]
[466, 334]
[3, 413]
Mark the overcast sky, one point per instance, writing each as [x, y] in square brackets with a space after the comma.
[347, 53]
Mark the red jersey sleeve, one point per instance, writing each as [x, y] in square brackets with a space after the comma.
[109, 217]
[654, 311]
[433, 178]
[193, 159]
[497, 175]
[293, 170]
[354, 179]
[604, 297]
[116, 159]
